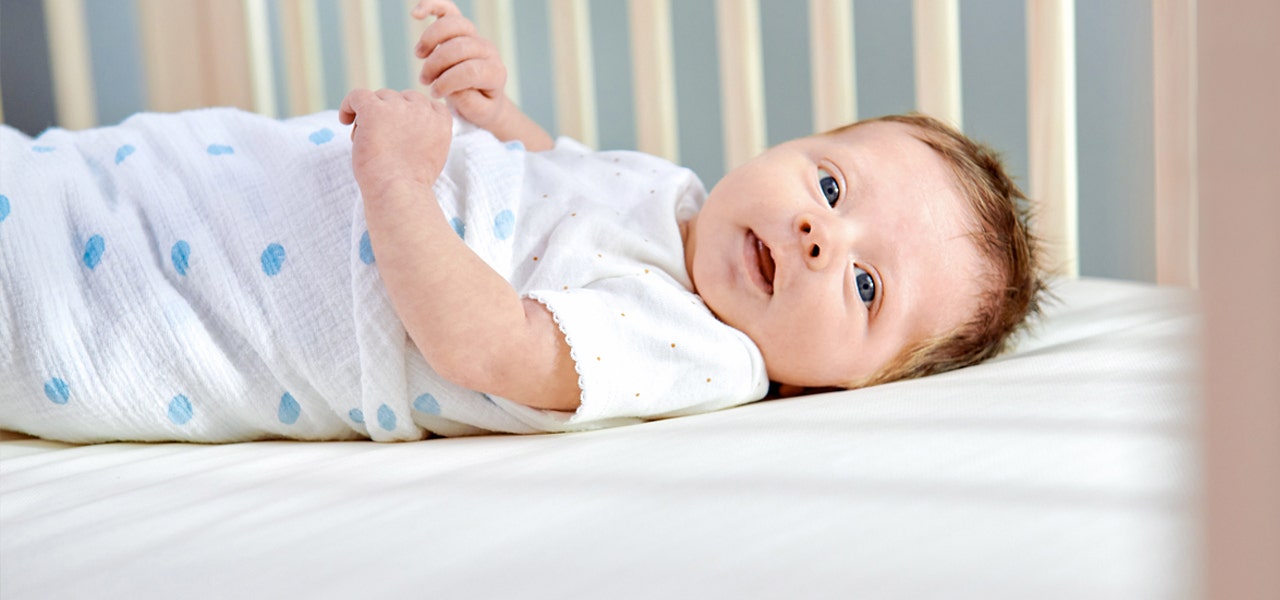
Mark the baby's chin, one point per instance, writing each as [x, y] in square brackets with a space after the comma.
[811, 373]
[804, 378]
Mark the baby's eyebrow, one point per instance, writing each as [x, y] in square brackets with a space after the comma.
[854, 177]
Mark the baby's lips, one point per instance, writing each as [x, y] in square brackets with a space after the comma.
[758, 263]
[767, 265]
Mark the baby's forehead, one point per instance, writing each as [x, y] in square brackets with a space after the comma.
[864, 131]
[894, 154]
[887, 151]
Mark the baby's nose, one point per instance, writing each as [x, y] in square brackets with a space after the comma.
[815, 246]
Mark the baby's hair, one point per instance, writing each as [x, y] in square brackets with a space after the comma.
[1003, 236]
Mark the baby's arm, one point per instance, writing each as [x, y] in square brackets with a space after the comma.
[468, 322]
[466, 70]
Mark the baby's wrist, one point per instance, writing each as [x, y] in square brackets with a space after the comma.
[392, 187]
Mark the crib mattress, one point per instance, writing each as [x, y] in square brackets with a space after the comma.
[1065, 470]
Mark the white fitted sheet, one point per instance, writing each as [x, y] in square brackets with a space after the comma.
[1065, 470]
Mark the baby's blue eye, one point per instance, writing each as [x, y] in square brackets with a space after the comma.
[866, 285]
[829, 186]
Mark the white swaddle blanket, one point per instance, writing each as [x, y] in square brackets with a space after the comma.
[208, 276]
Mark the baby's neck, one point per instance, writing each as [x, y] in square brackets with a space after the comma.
[688, 238]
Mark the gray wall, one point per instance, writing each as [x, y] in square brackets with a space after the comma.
[1114, 87]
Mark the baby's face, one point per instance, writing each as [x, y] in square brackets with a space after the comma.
[833, 253]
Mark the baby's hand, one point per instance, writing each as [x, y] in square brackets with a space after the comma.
[398, 137]
[461, 67]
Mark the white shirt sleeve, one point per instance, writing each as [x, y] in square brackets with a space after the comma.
[646, 348]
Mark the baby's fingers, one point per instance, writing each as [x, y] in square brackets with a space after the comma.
[439, 8]
[443, 30]
[451, 53]
[352, 104]
[485, 76]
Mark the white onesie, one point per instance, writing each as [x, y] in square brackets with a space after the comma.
[596, 238]
[208, 276]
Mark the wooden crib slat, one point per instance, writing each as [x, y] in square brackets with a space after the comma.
[413, 31]
[300, 37]
[1051, 129]
[362, 37]
[69, 58]
[1177, 229]
[168, 85]
[196, 54]
[831, 54]
[936, 29]
[575, 81]
[171, 38]
[225, 54]
[262, 75]
[741, 79]
[653, 78]
[494, 21]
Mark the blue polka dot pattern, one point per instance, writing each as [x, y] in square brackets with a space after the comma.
[515, 145]
[93, 250]
[366, 249]
[459, 227]
[56, 391]
[124, 153]
[290, 410]
[321, 136]
[180, 254]
[504, 224]
[43, 149]
[180, 410]
[4, 207]
[427, 403]
[273, 259]
[356, 415]
[386, 417]
[219, 149]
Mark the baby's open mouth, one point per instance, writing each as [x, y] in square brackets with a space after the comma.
[764, 260]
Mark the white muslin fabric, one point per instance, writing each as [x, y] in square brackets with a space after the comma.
[208, 276]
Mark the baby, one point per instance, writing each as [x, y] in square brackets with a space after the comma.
[542, 286]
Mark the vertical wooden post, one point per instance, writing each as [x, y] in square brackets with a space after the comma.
[413, 32]
[1173, 55]
[1052, 129]
[300, 33]
[494, 22]
[196, 53]
[262, 74]
[937, 51]
[653, 78]
[831, 54]
[171, 38]
[741, 79]
[72, 70]
[575, 81]
[362, 37]
[224, 54]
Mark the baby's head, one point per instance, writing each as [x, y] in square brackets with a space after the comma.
[887, 249]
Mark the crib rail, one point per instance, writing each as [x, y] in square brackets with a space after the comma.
[1051, 110]
[183, 72]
